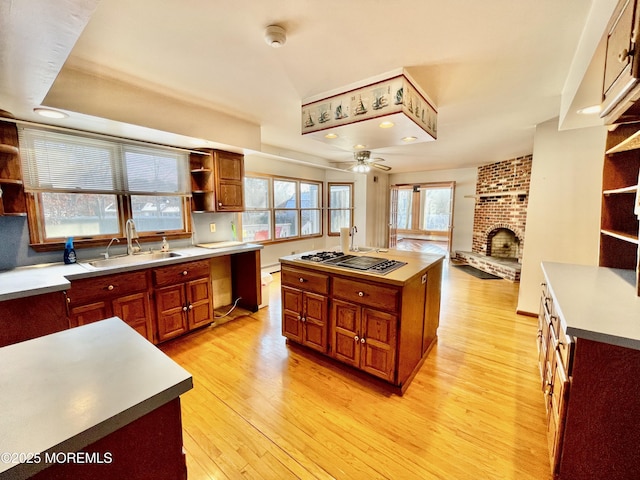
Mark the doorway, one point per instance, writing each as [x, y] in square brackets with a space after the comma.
[421, 217]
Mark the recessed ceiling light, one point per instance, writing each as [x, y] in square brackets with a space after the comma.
[331, 135]
[409, 139]
[359, 147]
[386, 124]
[590, 110]
[50, 113]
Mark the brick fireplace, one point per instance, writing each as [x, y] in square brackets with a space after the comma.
[502, 193]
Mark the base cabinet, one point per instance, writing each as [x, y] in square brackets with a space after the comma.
[364, 338]
[183, 298]
[125, 295]
[305, 318]
[31, 317]
[591, 394]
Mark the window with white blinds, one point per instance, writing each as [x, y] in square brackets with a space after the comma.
[54, 161]
[87, 187]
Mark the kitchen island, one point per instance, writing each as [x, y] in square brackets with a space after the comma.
[94, 402]
[377, 312]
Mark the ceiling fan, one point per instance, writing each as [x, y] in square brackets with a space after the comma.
[364, 162]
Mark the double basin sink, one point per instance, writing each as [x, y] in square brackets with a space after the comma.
[125, 260]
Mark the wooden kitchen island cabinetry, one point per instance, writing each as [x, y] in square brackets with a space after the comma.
[382, 325]
[305, 307]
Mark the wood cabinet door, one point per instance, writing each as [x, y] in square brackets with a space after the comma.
[378, 343]
[229, 181]
[135, 310]
[199, 300]
[292, 313]
[89, 313]
[171, 306]
[557, 411]
[345, 332]
[315, 321]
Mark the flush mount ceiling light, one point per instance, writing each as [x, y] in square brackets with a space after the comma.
[590, 110]
[275, 36]
[409, 139]
[50, 113]
[331, 136]
[355, 112]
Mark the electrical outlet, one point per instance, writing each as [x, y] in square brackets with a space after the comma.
[212, 227]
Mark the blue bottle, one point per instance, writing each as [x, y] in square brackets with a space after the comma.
[69, 251]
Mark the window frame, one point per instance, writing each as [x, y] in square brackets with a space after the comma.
[298, 208]
[36, 216]
[330, 208]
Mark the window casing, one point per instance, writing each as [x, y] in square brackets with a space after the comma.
[340, 207]
[279, 209]
[85, 187]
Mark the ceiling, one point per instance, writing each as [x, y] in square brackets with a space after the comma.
[199, 72]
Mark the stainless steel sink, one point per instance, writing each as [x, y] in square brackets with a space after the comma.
[135, 259]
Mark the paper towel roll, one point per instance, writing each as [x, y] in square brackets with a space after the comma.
[344, 239]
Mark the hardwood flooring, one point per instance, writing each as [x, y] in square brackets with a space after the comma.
[263, 409]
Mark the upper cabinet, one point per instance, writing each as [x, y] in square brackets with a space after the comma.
[12, 199]
[217, 181]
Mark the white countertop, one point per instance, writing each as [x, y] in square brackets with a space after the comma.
[62, 392]
[38, 279]
[596, 303]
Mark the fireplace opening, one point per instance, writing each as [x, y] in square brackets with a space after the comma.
[503, 243]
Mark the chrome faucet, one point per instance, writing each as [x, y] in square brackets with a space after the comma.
[132, 234]
[354, 230]
[106, 253]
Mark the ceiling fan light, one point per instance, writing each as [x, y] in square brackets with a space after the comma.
[359, 146]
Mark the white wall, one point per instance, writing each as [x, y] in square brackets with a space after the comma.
[463, 208]
[563, 215]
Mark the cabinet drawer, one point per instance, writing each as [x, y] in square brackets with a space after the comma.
[92, 289]
[305, 280]
[381, 297]
[180, 272]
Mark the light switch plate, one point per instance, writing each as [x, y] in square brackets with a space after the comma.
[212, 227]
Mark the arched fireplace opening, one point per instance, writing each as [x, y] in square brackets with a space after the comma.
[503, 243]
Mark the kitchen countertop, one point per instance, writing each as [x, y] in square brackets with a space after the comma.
[596, 303]
[38, 279]
[417, 263]
[62, 392]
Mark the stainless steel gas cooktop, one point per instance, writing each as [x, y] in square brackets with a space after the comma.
[378, 265]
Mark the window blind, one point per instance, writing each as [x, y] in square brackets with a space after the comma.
[53, 161]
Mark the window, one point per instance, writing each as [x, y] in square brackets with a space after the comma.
[86, 187]
[281, 208]
[340, 207]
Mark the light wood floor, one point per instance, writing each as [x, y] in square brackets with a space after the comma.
[261, 409]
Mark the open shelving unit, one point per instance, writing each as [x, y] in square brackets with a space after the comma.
[619, 225]
[12, 198]
[202, 194]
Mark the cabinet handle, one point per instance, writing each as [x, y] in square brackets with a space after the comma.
[219, 204]
[624, 54]
[361, 294]
[362, 340]
[184, 309]
[301, 280]
[299, 317]
[548, 389]
[110, 287]
[356, 338]
[190, 307]
[303, 319]
[185, 273]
